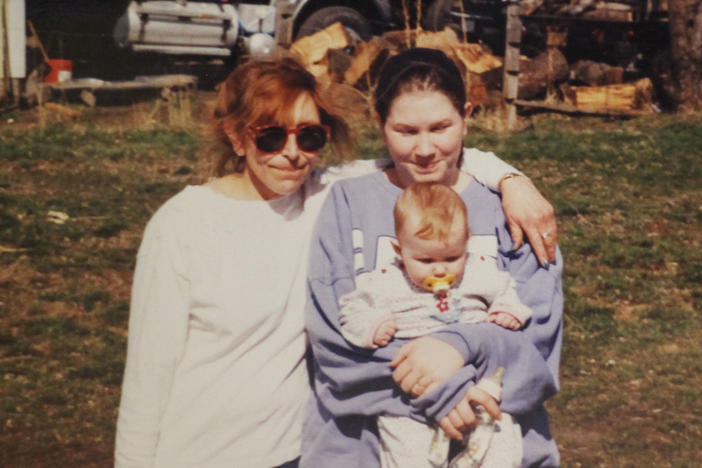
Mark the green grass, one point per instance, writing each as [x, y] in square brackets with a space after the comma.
[628, 195]
[64, 287]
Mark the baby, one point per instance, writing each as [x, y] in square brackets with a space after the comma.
[442, 275]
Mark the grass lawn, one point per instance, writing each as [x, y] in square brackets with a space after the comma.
[75, 196]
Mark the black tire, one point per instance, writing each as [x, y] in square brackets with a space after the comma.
[437, 16]
[358, 27]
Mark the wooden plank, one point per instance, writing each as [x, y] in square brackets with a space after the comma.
[143, 82]
[570, 109]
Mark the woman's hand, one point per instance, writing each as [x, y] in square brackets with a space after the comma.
[527, 211]
[462, 417]
[424, 363]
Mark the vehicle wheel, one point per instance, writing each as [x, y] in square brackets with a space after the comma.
[437, 16]
[356, 25]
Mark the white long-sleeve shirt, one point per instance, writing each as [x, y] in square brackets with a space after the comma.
[215, 373]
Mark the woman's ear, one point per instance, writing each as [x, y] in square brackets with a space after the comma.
[234, 138]
[468, 110]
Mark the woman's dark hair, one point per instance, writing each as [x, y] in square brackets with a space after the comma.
[419, 69]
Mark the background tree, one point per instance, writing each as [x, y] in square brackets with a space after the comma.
[686, 50]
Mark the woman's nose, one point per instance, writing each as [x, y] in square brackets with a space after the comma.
[291, 150]
[424, 147]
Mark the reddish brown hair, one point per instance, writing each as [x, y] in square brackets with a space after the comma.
[438, 207]
[262, 92]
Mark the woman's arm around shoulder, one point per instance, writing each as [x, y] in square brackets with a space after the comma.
[527, 211]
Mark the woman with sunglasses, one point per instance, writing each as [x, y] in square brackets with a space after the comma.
[420, 101]
[215, 373]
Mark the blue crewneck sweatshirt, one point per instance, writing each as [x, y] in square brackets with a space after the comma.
[353, 385]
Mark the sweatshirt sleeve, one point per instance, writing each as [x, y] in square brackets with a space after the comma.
[486, 167]
[157, 331]
[530, 355]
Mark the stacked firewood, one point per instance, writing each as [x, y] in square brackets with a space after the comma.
[324, 55]
[588, 86]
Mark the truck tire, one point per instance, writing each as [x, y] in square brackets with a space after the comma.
[357, 26]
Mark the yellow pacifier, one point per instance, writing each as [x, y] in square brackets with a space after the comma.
[438, 285]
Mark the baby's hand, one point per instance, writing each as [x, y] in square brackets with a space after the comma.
[384, 333]
[504, 320]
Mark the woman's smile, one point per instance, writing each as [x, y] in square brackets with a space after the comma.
[424, 134]
[282, 173]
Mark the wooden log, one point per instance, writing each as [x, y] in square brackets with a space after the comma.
[610, 11]
[482, 71]
[398, 38]
[312, 49]
[537, 74]
[527, 7]
[365, 55]
[437, 39]
[616, 97]
[596, 73]
[567, 108]
[339, 62]
[476, 59]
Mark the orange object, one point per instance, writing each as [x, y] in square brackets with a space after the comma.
[61, 70]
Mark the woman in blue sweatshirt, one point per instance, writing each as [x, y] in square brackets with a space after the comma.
[422, 111]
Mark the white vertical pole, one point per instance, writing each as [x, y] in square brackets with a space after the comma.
[17, 38]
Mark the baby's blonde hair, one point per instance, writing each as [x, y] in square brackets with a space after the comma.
[438, 207]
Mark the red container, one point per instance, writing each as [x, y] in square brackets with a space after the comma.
[61, 70]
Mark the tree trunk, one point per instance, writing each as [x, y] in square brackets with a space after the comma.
[686, 51]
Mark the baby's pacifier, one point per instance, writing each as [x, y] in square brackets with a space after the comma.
[439, 285]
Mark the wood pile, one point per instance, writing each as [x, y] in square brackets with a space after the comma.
[318, 53]
[584, 85]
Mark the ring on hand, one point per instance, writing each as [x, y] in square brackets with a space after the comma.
[545, 235]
